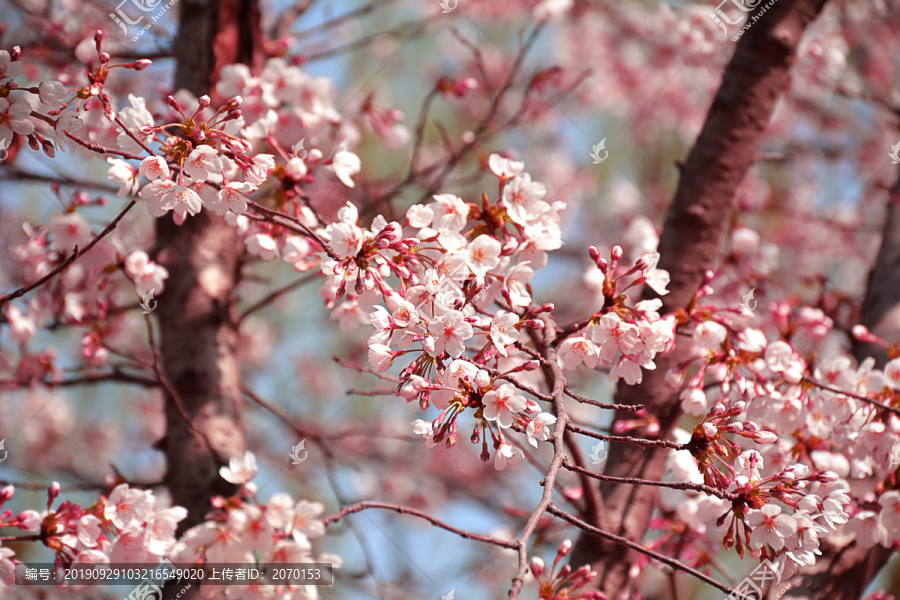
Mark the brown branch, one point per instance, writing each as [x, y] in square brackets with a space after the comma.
[624, 439]
[692, 487]
[102, 149]
[295, 223]
[619, 407]
[559, 454]
[403, 510]
[621, 541]
[76, 253]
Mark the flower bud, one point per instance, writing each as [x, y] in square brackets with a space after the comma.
[482, 378]
[537, 565]
[142, 63]
[603, 265]
[7, 493]
[53, 492]
[104, 57]
[173, 103]
[765, 437]
[564, 548]
[617, 253]
[15, 53]
[509, 246]
[203, 101]
[827, 476]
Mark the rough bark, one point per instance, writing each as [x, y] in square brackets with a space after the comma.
[881, 309]
[752, 83]
[197, 314]
[844, 574]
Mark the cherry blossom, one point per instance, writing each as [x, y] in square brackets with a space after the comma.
[346, 164]
[14, 113]
[450, 332]
[128, 508]
[539, 428]
[502, 404]
[148, 276]
[9, 69]
[507, 456]
[240, 470]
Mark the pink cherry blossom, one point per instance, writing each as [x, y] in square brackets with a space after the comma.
[148, 276]
[507, 455]
[538, 429]
[346, 164]
[577, 350]
[9, 69]
[153, 168]
[240, 470]
[128, 508]
[160, 530]
[505, 168]
[202, 162]
[450, 332]
[502, 404]
[14, 116]
[122, 174]
[769, 527]
[503, 330]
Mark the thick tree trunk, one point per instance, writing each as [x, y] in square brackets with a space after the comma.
[196, 313]
[704, 200]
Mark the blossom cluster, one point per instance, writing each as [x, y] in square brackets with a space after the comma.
[448, 292]
[787, 439]
[126, 527]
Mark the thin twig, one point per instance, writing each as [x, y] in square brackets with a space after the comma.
[76, 253]
[403, 510]
[693, 487]
[559, 456]
[637, 548]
